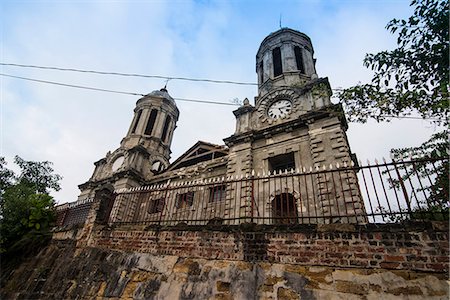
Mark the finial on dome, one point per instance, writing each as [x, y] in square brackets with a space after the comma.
[164, 89]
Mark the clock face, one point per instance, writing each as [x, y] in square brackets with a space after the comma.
[117, 163]
[279, 109]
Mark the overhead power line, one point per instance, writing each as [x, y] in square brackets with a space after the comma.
[72, 85]
[110, 91]
[129, 74]
[179, 99]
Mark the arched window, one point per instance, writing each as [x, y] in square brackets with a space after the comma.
[138, 117]
[166, 128]
[284, 209]
[299, 59]
[151, 122]
[106, 198]
[261, 72]
[277, 66]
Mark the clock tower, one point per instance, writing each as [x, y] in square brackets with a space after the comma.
[293, 125]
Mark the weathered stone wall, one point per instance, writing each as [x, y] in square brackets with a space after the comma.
[419, 246]
[61, 271]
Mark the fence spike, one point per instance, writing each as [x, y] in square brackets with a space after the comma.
[286, 171]
[376, 161]
[324, 168]
[384, 159]
[257, 174]
[360, 163]
[263, 173]
[317, 168]
[368, 162]
[268, 173]
[331, 166]
[352, 163]
[253, 172]
[297, 170]
[310, 169]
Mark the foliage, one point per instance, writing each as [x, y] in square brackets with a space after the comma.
[6, 176]
[434, 148]
[411, 78]
[38, 174]
[26, 208]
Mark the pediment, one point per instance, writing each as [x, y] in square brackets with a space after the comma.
[201, 151]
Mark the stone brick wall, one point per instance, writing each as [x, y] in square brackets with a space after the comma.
[419, 246]
[62, 271]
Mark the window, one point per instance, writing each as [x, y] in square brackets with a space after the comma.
[184, 200]
[151, 122]
[282, 162]
[299, 59]
[217, 193]
[261, 72]
[138, 117]
[165, 129]
[277, 66]
[156, 206]
[284, 209]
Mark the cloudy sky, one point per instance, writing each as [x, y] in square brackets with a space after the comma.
[198, 39]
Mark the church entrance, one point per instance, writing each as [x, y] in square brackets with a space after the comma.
[284, 209]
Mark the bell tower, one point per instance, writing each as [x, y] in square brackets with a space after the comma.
[152, 127]
[285, 58]
[143, 152]
[293, 125]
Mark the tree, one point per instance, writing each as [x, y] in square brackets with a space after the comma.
[26, 208]
[413, 78]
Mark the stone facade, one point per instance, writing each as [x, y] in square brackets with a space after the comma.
[293, 126]
[407, 261]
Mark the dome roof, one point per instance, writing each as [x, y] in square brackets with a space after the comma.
[282, 35]
[162, 93]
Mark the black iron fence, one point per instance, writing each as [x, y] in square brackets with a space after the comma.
[74, 213]
[379, 193]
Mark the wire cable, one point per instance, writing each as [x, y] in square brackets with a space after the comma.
[179, 99]
[111, 91]
[128, 74]
[72, 85]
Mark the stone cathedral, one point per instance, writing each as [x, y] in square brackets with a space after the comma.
[274, 213]
[292, 128]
